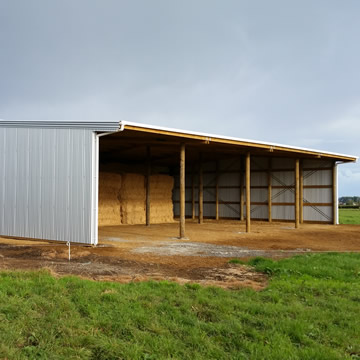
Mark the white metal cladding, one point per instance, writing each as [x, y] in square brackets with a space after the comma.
[318, 213]
[317, 163]
[46, 187]
[319, 177]
[258, 179]
[316, 174]
[318, 195]
[258, 212]
[283, 212]
[283, 178]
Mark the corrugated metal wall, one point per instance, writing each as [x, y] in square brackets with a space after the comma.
[317, 189]
[46, 183]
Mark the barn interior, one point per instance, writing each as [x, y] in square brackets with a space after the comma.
[139, 180]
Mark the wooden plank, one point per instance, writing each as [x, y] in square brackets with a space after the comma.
[182, 191]
[217, 191]
[269, 190]
[201, 191]
[248, 200]
[148, 174]
[318, 204]
[334, 193]
[297, 193]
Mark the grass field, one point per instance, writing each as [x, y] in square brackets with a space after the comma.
[310, 310]
[349, 216]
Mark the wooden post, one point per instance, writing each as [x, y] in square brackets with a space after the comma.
[148, 174]
[334, 195]
[182, 191]
[201, 191]
[297, 193]
[301, 202]
[193, 192]
[241, 188]
[269, 190]
[248, 200]
[217, 191]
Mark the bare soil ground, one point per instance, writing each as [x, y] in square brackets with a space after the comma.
[136, 253]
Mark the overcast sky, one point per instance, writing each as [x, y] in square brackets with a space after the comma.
[280, 71]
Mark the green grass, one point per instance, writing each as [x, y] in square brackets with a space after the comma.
[349, 216]
[310, 310]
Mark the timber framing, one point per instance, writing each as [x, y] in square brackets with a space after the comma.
[278, 184]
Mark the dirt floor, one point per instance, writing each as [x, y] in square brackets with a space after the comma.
[135, 252]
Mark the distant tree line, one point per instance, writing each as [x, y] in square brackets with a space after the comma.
[349, 201]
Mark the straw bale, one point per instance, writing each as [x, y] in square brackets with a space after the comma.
[161, 205]
[132, 199]
[109, 204]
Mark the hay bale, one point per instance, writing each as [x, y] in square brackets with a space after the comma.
[132, 199]
[161, 204]
[109, 204]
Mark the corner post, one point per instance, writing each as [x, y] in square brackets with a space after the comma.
[335, 194]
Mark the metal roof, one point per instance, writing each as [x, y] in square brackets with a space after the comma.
[116, 125]
[107, 125]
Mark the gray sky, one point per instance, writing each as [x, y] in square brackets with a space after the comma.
[280, 71]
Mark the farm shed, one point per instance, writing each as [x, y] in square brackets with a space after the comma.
[60, 180]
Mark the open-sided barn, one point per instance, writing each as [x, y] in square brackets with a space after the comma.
[60, 180]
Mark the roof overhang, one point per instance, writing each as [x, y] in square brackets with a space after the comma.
[251, 144]
[111, 126]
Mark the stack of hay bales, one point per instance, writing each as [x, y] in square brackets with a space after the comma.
[109, 202]
[161, 205]
[122, 199]
[132, 199]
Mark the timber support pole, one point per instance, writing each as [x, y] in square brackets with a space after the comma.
[217, 191]
[334, 194]
[297, 193]
[182, 191]
[301, 202]
[148, 175]
[248, 200]
[269, 174]
[241, 189]
[201, 191]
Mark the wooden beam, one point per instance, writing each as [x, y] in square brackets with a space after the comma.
[193, 192]
[201, 191]
[248, 200]
[241, 188]
[148, 174]
[217, 191]
[269, 190]
[297, 193]
[301, 202]
[182, 191]
[334, 193]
